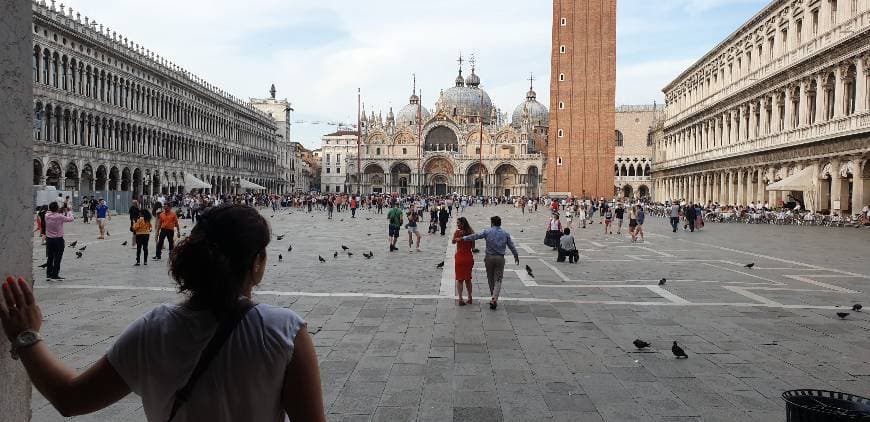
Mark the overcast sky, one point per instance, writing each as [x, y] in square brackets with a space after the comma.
[318, 52]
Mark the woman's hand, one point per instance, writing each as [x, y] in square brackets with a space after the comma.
[18, 309]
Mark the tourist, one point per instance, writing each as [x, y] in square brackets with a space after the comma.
[54, 243]
[102, 215]
[608, 220]
[699, 217]
[413, 217]
[567, 248]
[675, 216]
[443, 217]
[141, 231]
[496, 241]
[217, 267]
[394, 217]
[581, 214]
[641, 215]
[619, 213]
[167, 227]
[133, 213]
[86, 206]
[354, 203]
[463, 259]
[40, 218]
[554, 232]
[632, 222]
[689, 213]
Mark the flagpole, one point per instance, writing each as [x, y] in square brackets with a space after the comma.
[358, 138]
[480, 157]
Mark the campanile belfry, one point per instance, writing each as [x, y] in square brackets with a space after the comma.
[580, 154]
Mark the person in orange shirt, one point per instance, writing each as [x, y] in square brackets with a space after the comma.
[354, 204]
[142, 230]
[168, 226]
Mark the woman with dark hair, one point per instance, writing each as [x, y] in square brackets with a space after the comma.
[464, 259]
[215, 357]
[141, 231]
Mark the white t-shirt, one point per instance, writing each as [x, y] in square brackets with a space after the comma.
[157, 353]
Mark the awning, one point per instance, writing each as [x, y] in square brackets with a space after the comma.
[800, 181]
[193, 182]
[247, 184]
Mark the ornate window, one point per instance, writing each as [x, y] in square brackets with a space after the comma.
[619, 139]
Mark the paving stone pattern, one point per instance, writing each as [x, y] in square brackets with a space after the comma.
[393, 345]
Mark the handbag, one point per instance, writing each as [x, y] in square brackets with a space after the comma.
[221, 334]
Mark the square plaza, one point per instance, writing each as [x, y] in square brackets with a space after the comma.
[393, 345]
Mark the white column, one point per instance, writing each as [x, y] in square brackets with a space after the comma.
[740, 200]
[860, 84]
[762, 112]
[838, 92]
[836, 186]
[788, 109]
[820, 98]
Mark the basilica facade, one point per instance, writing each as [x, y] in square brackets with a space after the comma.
[465, 146]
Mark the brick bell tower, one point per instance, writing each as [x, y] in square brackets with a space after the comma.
[581, 147]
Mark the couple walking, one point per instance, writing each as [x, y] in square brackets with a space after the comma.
[496, 241]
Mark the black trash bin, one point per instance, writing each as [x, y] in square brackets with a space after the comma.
[825, 406]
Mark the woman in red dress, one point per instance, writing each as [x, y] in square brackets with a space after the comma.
[464, 260]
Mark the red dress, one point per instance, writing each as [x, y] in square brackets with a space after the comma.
[464, 259]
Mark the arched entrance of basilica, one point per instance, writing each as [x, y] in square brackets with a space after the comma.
[507, 178]
[438, 173]
[474, 178]
[400, 176]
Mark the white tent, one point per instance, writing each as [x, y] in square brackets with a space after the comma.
[801, 181]
[247, 184]
[193, 182]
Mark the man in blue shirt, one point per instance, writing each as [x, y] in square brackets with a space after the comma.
[496, 241]
[102, 215]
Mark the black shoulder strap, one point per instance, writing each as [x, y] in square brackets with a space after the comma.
[221, 334]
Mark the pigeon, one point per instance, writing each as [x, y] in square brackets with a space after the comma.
[440, 265]
[368, 256]
[522, 230]
[663, 281]
[321, 259]
[79, 255]
[289, 248]
[342, 219]
[368, 234]
[43, 265]
[344, 247]
[349, 253]
[83, 248]
[640, 344]
[368, 218]
[678, 351]
[73, 244]
[857, 307]
[280, 236]
[842, 315]
[335, 255]
[529, 271]
[272, 216]
[280, 258]
[475, 250]
[124, 244]
[750, 265]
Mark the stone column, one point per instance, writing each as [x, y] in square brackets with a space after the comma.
[741, 126]
[838, 91]
[771, 195]
[732, 197]
[703, 182]
[740, 200]
[820, 98]
[836, 185]
[762, 125]
[753, 134]
[16, 155]
[761, 186]
[750, 186]
[723, 188]
[787, 124]
[861, 84]
[858, 186]
[774, 113]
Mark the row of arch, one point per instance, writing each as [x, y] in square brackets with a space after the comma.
[439, 176]
[108, 177]
[70, 126]
[57, 69]
[632, 169]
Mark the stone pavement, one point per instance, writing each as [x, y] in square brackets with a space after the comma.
[393, 346]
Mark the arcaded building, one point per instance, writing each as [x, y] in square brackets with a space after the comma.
[635, 145]
[582, 97]
[777, 109]
[465, 145]
[113, 116]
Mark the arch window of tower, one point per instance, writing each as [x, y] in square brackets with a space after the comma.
[562, 49]
[563, 22]
[561, 105]
[561, 77]
[561, 133]
[620, 141]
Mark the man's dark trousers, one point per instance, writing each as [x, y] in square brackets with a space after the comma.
[54, 253]
[168, 234]
[675, 221]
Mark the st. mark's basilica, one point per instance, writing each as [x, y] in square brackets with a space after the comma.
[468, 146]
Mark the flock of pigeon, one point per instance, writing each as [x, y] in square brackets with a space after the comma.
[320, 258]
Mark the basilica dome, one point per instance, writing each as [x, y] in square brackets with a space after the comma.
[537, 112]
[408, 114]
[464, 99]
